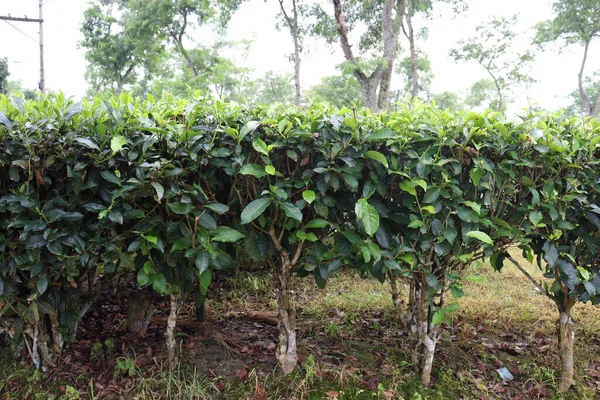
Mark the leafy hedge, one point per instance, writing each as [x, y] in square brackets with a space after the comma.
[167, 189]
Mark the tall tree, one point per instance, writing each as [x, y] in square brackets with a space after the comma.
[414, 60]
[377, 47]
[417, 73]
[4, 74]
[492, 48]
[576, 22]
[291, 17]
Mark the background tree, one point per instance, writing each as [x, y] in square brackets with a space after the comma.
[591, 87]
[447, 100]
[417, 73]
[116, 52]
[576, 22]
[271, 88]
[378, 45]
[492, 49]
[134, 41]
[415, 59]
[4, 74]
[292, 18]
[15, 87]
[484, 93]
[338, 90]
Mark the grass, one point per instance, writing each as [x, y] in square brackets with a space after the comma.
[354, 349]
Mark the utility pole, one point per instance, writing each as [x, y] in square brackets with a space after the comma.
[40, 20]
[42, 72]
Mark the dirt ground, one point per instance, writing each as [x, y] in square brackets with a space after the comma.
[343, 355]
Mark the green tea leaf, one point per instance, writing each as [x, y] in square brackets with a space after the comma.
[254, 209]
[368, 215]
[219, 208]
[117, 143]
[159, 283]
[260, 146]
[111, 177]
[377, 156]
[42, 284]
[291, 211]
[250, 126]
[481, 236]
[255, 170]
[160, 191]
[317, 223]
[181, 208]
[227, 234]
[308, 196]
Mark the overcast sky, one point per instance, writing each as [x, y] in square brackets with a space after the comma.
[65, 64]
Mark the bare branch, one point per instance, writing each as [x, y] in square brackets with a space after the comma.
[537, 285]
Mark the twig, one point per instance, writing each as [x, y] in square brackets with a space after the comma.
[537, 285]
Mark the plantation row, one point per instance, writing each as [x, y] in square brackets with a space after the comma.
[174, 191]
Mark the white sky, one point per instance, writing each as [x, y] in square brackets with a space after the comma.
[65, 64]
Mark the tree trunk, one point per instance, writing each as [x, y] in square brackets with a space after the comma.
[413, 56]
[369, 89]
[422, 334]
[292, 24]
[390, 30]
[396, 297]
[584, 97]
[566, 342]
[170, 332]
[383, 101]
[287, 352]
[382, 75]
[200, 307]
[298, 98]
[139, 312]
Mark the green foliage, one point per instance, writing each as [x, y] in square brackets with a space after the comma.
[175, 192]
[125, 367]
[128, 42]
[576, 22]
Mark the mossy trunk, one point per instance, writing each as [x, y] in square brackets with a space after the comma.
[287, 352]
[566, 342]
[139, 312]
[423, 334]
[400, 317]
[42, 338]
[170, 332]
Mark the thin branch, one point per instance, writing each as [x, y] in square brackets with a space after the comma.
[537, 285]
[298, 253]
